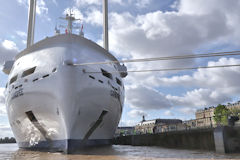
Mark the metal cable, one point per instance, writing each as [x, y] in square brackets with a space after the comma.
[175, 69]
[191, 56]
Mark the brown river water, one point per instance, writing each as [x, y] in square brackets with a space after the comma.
[115, 152]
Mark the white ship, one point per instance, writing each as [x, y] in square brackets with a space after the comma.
[55, 99]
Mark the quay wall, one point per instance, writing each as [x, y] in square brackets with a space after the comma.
[202, 139]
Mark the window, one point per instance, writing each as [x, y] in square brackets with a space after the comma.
[35, 80]
[28, 72]
[91, 77]
[119, 81]
[106, 74]
[13, 79]
[47, 75]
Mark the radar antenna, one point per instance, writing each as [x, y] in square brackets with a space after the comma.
[70, 19]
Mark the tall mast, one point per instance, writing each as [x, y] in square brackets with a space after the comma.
[105, 24]
[31, 22]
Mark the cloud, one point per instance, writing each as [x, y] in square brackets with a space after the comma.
[168, 113]
[41, 8]
[77, 13]
[8, 49]
[137, 113]
[163, 34]
[199, 98]
[87, 2]
[190, 27]
[141, 97]
[82, 3]
[142, 3]
[3, 111]
[94, 17]
[9, 45]
[21, 34]
[129, 123]
[187, 111]
[5, 131]
[55, 2]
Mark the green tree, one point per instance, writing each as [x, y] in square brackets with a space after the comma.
[221, 114]
[235, 112]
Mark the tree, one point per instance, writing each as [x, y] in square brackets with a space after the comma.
[235, 112]
[221, 114]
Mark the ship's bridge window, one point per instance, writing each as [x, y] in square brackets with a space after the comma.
[13, 79]
[29, 72]
[106, 74]
[119, 81]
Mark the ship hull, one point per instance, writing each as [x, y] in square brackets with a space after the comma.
[61, 107]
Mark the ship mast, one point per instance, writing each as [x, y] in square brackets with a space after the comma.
[70, 19]
[31, 22]
[105, 24]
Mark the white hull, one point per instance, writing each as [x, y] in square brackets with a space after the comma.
[60, 106]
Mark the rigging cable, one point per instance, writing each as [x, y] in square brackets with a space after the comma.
[190, 56]
[174, 69]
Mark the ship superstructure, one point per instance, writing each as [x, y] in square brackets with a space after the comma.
[54, 102]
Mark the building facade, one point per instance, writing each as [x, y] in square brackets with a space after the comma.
[205, 117]
[232, 106]
[158, 126]
[124, 131]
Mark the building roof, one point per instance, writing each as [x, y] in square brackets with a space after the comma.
[125, 128]
[158, 121]
[168, 121]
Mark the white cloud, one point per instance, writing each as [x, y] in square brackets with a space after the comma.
[3, 111]
[5, 131]
[192, 26]
[187, 111]
[9, 45]
[199, 98]
[23, 2]
[41, 8]
[127, 123]
[8, 50]
[94, 17]
[21, 34]
[82, 3]
[224, 79]
[77, 13]
[141, 97]
[24, 42]
[137, 113]
[142, 3]
[168, 113]
[55, 2]
[163, 34]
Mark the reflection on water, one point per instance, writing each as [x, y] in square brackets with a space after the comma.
[11, 152]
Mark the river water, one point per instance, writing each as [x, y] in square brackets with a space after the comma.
[11, 152]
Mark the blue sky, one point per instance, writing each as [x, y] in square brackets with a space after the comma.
[145, 29]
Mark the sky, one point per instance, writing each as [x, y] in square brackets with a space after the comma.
[144, 29]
